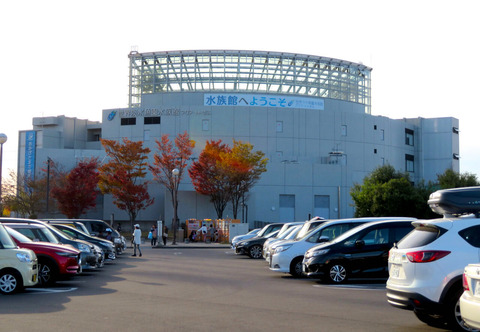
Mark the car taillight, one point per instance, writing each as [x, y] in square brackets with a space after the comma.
[426, 256]
[465, 283]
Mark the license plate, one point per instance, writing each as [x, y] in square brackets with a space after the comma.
[395, 270]
[477, 288]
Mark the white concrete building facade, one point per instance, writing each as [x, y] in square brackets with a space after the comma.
[310, 115]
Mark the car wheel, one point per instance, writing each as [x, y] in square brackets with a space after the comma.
[454, 318]
[46, 273]
[296, 267]
[433, 320]
[10, 282]
[337, 273]
[255, 252]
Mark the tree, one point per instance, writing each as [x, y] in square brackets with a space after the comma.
[452, 179]
[122, 176]
[76, 191]
[24, 196]
[208, 177]
[165, 161]
[386, 192]
[243, 168]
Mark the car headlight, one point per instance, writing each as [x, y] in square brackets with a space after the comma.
[282, 248]
[83, 247]
[24, 257]
[314, 253]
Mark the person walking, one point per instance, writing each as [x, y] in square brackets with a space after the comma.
[165, 235]
[153, 230]
[137, 239]
[202, 232]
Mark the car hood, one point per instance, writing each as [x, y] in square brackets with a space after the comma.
[48, 245]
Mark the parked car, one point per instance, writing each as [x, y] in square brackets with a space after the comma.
[290, 233]
[96, 228]
[360, 252]
[18, 267]
[106, 245]
[309, 225]
[287, 257]
[426, 267]
[37, 232]
[247, 236]
[253, 247]
[61, 237]
[470, 299]
[55, 261]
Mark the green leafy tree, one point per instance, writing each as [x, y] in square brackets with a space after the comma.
[451, 179]
[386, 192]
[123, 176]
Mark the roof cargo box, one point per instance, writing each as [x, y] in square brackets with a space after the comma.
[456, 201]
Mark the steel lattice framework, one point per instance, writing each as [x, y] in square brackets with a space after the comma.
[248, 72]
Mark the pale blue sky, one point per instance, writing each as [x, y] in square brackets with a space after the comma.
[61, 58]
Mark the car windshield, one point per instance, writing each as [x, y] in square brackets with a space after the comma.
[6, 241]
[307, 228]
[17, 235]
[37, 233]
[59, 234]
[293, 233]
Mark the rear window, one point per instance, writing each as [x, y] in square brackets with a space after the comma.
[421, 236]
[471, 235]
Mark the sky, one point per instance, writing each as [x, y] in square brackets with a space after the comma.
[71, 58]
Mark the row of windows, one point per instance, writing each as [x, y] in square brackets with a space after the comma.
[146, 120]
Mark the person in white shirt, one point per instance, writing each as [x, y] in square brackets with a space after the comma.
[202, 232]
[137, 239]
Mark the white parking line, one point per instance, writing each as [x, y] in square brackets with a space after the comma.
[380, 287]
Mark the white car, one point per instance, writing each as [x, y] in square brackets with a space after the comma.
[287, 256]
[470, 299]
[289, 234]
[426, 267]
[247, 236]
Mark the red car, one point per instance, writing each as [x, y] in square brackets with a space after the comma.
[55, 261]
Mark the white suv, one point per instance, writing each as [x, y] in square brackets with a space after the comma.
[426, 266]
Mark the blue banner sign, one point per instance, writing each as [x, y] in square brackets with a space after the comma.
[30, 145]
[254, 100]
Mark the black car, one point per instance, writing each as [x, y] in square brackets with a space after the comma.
[362, 251]
[38, 231]
[253, 247]
[96, 228]
[106, 245]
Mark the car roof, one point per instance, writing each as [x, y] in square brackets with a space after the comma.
[25, 225]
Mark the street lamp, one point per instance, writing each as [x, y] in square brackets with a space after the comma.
[3, 139]
[175, 173]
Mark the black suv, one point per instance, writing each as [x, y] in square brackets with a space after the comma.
[361, 251]
[253, 247]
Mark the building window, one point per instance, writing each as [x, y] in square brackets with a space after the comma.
[409, 137]
[151, 120]
[374, 127]
[409, 163]
[205, 125]
[128, 121]
[344, 130]
[375, 151]
[382, 135]
[322, 206]
[279, 126]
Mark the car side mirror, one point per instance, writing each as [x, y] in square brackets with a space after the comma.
[323, 239]
[359, 243]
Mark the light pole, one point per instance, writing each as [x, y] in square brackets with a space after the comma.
[3, 139]
[175, 173]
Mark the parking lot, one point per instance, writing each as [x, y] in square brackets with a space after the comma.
[201, 290]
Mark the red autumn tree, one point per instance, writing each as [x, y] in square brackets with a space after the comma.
[76, 191]
[122, 176]
[208, 177]
[168, 158]
[243, 168]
